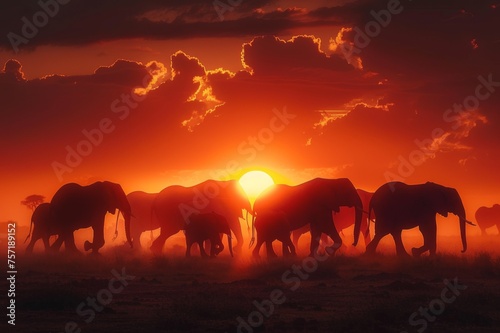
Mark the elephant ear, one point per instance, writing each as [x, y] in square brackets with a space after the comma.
[452, 203]
[442, 209]
[439, 198]
[110, 197]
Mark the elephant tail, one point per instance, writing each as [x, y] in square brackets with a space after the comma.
[29, 233]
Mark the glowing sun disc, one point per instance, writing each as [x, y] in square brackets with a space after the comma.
[255, 182]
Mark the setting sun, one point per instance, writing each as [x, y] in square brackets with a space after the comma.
[255, 182]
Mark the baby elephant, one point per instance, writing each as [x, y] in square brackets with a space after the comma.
[207, 226]
[272, 225]
[42, 228]
[487, 217]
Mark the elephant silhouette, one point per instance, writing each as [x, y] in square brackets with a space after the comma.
[174, 204]
[312, 203]
[400, 206]
[487, 217]
[42, 227]
[207, 226]
[75, 207]
[270, 226]
[344, 219]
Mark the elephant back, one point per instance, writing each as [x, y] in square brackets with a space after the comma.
[487, 216]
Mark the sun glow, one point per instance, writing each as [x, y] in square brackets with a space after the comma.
[255, 182]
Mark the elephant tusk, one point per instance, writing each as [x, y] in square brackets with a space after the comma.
[469, 222]
[362, 210]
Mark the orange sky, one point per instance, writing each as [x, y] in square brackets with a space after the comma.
[269, 86]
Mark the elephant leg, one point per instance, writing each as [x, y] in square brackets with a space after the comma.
[315, 238]
[417, 251]
[255, 252]
[284, 247]
[136, 238]
[400, 249]
[98, 240]
[213, 246]
[372, 246]
[332, 232]
[238, 235]
[429, 232]
[295, 237]
[218, 246]
[29, 248]
[270, 250]
[189, 244]
[69, 242]
[34, 238]
[158, 243]
[203, 253]
[57, 243]
[290, 248]
[366, 235]
[209, 245]
[287, 244]
[46, 243]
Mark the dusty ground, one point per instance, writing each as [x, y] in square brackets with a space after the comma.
[342, 294]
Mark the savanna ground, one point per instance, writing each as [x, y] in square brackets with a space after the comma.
[346, 293]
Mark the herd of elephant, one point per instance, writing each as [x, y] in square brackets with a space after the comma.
[211, 208]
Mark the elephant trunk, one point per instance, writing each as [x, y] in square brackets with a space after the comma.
[230, 243]
[463, 233]
[358, 206]
[252, 240]
[127, 215]
[246, 219]
[248, 208]
[459, 210]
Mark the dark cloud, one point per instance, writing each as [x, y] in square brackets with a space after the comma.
[12, 72]
[272, 56]
[123, 72]
[91, 21]
[428, 42]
